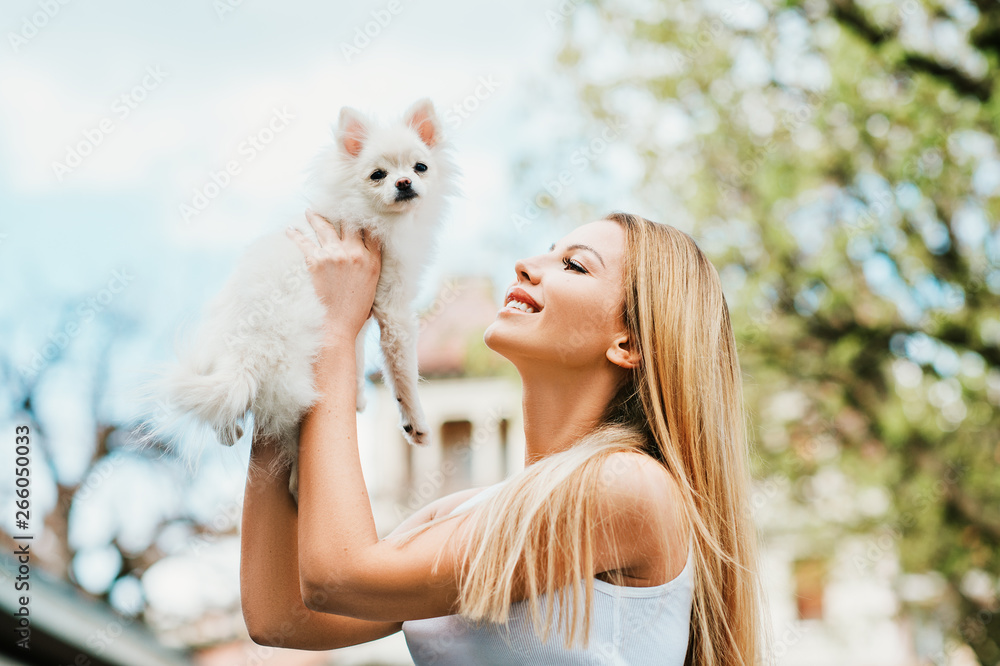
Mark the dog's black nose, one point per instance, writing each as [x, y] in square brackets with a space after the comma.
[403, 184]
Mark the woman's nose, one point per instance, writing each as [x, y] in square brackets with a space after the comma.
[525, 269]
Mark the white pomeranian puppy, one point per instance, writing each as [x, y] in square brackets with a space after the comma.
[255, 347]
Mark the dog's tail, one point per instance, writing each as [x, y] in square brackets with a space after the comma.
[219, 397]
[180, 397]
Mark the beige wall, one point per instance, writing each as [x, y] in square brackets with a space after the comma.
[405, 477]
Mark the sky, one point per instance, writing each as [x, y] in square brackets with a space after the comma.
[115, 115]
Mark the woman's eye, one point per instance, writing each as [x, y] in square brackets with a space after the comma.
[378, 174]
[420, 167]
[569, 263]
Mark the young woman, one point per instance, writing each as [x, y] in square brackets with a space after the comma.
[629, 531]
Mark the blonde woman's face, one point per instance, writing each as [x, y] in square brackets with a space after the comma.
[576, 291]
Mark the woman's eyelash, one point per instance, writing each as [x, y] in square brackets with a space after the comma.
[569, 263]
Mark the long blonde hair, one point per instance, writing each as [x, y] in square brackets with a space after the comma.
[683, 406]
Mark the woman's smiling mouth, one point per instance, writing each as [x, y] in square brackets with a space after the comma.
[518, 299]
[518, 305]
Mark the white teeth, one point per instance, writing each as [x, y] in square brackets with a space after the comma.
[518, 305]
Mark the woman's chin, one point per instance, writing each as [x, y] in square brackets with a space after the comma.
[512, 348]
[490, 337]
[501, 341]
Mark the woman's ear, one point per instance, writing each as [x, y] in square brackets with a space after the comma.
[623, 353]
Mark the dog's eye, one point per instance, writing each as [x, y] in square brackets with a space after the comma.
[420, 167]
[378, 174]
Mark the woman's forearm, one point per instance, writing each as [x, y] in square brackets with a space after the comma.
[270, 589]
[336, 526]
[269, 571]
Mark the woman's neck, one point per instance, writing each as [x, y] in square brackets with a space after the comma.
[561, 406]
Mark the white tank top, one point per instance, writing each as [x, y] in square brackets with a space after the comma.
[630, 626]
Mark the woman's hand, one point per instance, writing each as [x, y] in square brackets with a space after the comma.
[344, 273]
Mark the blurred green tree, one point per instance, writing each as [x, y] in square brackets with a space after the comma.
[838, 161]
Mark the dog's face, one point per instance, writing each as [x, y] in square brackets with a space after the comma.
[394, 165]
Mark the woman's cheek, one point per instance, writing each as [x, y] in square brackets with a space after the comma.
[574, 332]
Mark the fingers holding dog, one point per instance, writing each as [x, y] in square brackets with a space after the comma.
[326, 232]
[307, 247]
[344, 272]
[371, 243]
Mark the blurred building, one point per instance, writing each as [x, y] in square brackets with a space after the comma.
[472, 405]
[831, 603]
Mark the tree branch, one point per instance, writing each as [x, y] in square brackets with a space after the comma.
[973, 512]
[962, 84]
[847, 13]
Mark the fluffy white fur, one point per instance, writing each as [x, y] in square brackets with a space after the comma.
[259, 337]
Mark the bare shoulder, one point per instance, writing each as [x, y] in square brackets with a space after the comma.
[644, 502]
[435, 508]
[633, 479]
[447, 503]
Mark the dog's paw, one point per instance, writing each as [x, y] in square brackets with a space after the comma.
[417, 434]
[361, 401]
[228, 435]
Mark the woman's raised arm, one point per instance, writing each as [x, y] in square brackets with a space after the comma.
[269, 570]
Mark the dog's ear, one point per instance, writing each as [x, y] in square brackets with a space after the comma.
[422, 118]
[352, 129]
